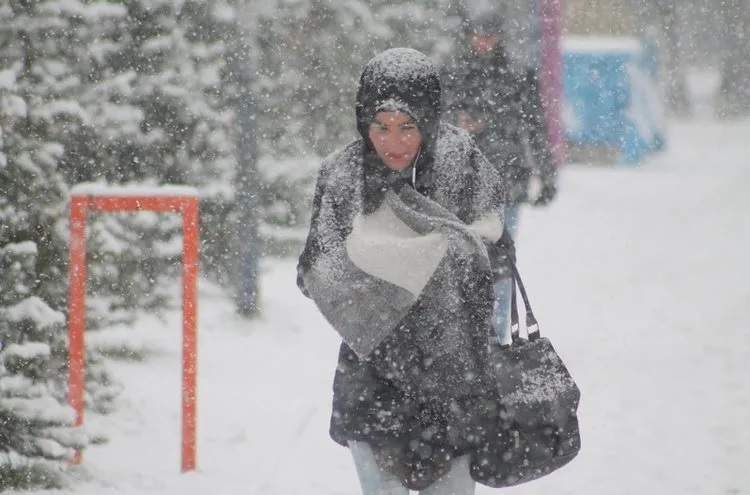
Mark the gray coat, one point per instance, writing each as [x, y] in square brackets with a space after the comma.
[411, 365]
[398, 264]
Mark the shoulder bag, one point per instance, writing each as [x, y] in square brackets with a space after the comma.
[538, 431]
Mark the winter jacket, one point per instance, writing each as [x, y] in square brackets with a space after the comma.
[507, 105]
[410, 378]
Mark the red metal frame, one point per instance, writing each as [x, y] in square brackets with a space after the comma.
[106, 202]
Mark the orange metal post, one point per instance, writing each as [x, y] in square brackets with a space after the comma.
[189, 340]
[76, 309]
[188, 206]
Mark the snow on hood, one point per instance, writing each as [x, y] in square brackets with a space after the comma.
[400, 79]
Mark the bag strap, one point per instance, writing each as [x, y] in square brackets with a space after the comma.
[532, 326]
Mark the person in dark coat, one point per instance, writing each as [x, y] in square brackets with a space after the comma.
[398, 261]
[500, 105]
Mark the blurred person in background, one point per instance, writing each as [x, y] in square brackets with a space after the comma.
[660, 22]
[498, 102]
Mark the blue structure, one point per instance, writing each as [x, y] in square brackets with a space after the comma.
[611, 96]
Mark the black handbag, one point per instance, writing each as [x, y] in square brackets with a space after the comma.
[538, 431]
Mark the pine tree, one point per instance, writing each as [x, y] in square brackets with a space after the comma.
[39, 112]
[36, 426]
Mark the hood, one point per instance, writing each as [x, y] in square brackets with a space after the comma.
[405, 80]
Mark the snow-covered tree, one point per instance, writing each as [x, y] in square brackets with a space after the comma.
[38, 112]
[131, 92]
[36, 427]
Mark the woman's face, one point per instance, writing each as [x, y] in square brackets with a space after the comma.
[396, 139]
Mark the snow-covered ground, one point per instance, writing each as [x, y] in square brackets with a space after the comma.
[640, 276]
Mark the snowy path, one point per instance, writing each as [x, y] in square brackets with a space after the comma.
[640, 276]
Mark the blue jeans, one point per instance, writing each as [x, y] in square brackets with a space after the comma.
[501, 311]
[375, 481]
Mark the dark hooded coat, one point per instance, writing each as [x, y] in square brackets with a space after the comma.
[421, 396]
[506, 100]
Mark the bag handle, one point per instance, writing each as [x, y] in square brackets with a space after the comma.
[532, 326]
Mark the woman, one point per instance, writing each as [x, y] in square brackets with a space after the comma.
[396, 259]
